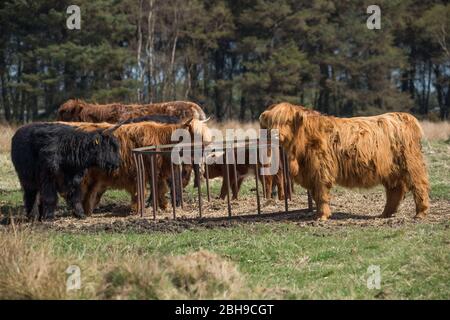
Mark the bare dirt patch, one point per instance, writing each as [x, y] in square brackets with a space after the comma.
[350, 208]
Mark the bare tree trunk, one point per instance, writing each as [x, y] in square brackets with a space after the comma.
[139, 49]
[174, 48]
[188, 80]
[149, 48]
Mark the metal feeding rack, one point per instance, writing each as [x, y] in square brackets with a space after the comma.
[229, 149]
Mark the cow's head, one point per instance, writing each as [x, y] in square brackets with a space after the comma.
[70, 110]
[288, 119]
[198, 128]
[105, 149]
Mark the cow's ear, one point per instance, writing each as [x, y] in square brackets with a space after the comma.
[97, 139]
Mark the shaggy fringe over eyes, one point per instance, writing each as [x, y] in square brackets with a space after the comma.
[200, 129]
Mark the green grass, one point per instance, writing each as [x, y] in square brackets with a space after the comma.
[438, 160]
[308, 262]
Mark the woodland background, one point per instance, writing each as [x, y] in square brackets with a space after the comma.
[232, 57]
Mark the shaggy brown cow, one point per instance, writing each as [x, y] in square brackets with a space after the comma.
[353, 152]
[132, 136]
[81, 111]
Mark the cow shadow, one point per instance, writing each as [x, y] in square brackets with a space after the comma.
[298, 215]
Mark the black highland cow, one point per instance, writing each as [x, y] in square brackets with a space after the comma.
[51, 158]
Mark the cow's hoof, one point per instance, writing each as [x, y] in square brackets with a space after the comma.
[322, 217]
[385, 216]
[80, 216]
[420, 216]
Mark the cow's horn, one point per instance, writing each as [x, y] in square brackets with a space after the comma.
[203, 121]
[115, 127]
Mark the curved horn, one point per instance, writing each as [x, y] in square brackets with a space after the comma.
[115, 127]
[203, 121]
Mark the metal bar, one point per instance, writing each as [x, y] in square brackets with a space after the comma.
[283, 164]
[235, 171]
[156, 181]
[207, 181]
[174, 192]
[227, 174]
[152, 168]
[142, 183]
[180, 173]
[288, 175]
[258, 203]
[258, 152]
[199, 188]
[138, 184]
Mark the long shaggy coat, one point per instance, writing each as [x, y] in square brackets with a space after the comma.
[80, 111]
[131, 136]
[353, 152]
[52, 157]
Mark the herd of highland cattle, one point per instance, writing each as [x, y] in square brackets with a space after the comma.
[88, 150]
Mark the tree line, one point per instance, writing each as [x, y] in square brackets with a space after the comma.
[232, 57]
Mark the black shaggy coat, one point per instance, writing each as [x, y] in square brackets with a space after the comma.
[51, 158]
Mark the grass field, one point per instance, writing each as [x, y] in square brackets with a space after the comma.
[279, 256]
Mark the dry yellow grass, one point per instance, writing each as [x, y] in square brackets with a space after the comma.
[31, 268]
[6, 133]
[436, 130]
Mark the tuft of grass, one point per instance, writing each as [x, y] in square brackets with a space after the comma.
[33, 266]
[197, 275]
[28, 268]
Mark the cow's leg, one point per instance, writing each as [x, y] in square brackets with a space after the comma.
[48, 196]
[195, 178]
[74, 194]
[268, 179]
[163, 188]
[29, 199]
[92, 197]
[236, 189]
[99, 196]
[223, 188]
[280, 185]
[393, 198]
[417, 181]
[321, 195]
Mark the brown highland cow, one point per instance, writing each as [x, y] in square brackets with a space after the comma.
[359, 152]
[131, 136]
[81, 111]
